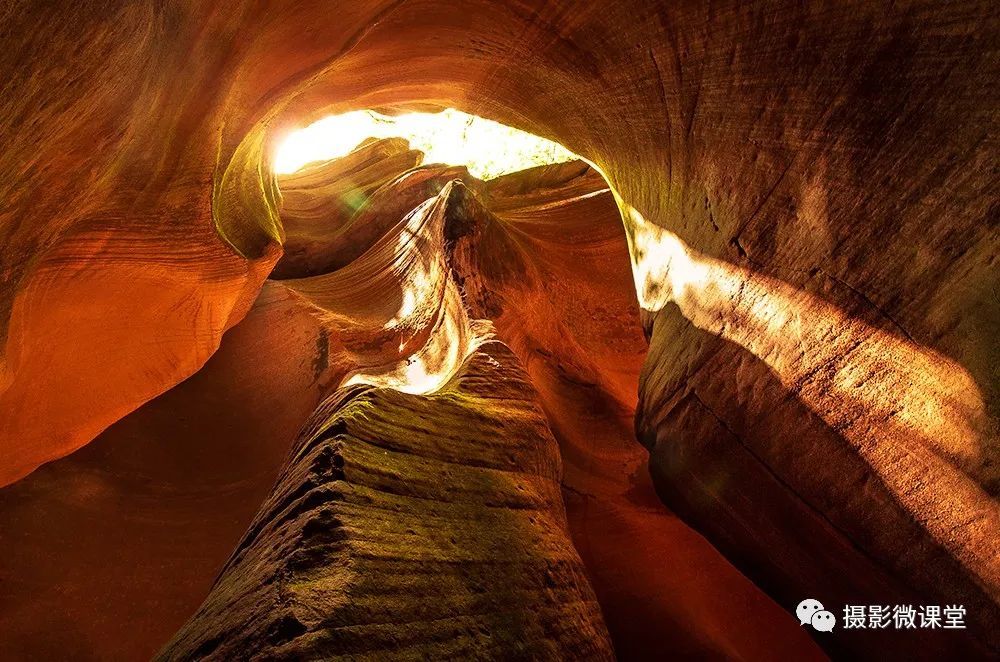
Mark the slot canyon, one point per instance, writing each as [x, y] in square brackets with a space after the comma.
[733, 350]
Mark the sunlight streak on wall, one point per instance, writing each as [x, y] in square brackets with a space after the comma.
[430, 307]
[910, 412]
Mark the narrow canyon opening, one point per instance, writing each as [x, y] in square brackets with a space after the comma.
[417, 260]
[709, 334]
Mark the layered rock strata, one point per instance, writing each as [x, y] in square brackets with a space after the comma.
[410, 526]
[808, 195]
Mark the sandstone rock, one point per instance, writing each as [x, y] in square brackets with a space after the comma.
[808, 196]
[408, 526]
[319, 201]
[570, 315]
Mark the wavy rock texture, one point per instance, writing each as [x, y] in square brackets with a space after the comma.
[807, 192]
[408, 526]
[320, 201]
[253, 399]
[546, 258]
[176, 483]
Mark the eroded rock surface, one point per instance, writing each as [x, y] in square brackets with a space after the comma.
[547, 257]
[554, 222]
[808, 195]
[408, 526]
[319, 203]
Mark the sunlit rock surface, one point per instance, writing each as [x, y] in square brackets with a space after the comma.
[547, 260]
[319, 203]
[349, 322]
[809, 197]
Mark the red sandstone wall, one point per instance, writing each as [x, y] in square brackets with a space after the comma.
[823, 362]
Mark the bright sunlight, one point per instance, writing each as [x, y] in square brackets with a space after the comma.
[489, 149]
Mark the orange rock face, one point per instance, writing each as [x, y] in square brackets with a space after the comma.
[562, 220]
[807, 238]
[410, 525]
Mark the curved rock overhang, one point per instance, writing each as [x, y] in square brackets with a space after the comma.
[806, 192]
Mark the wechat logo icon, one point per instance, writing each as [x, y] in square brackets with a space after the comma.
[811, 612]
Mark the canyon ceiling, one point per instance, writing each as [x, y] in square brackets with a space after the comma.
[637, 405]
